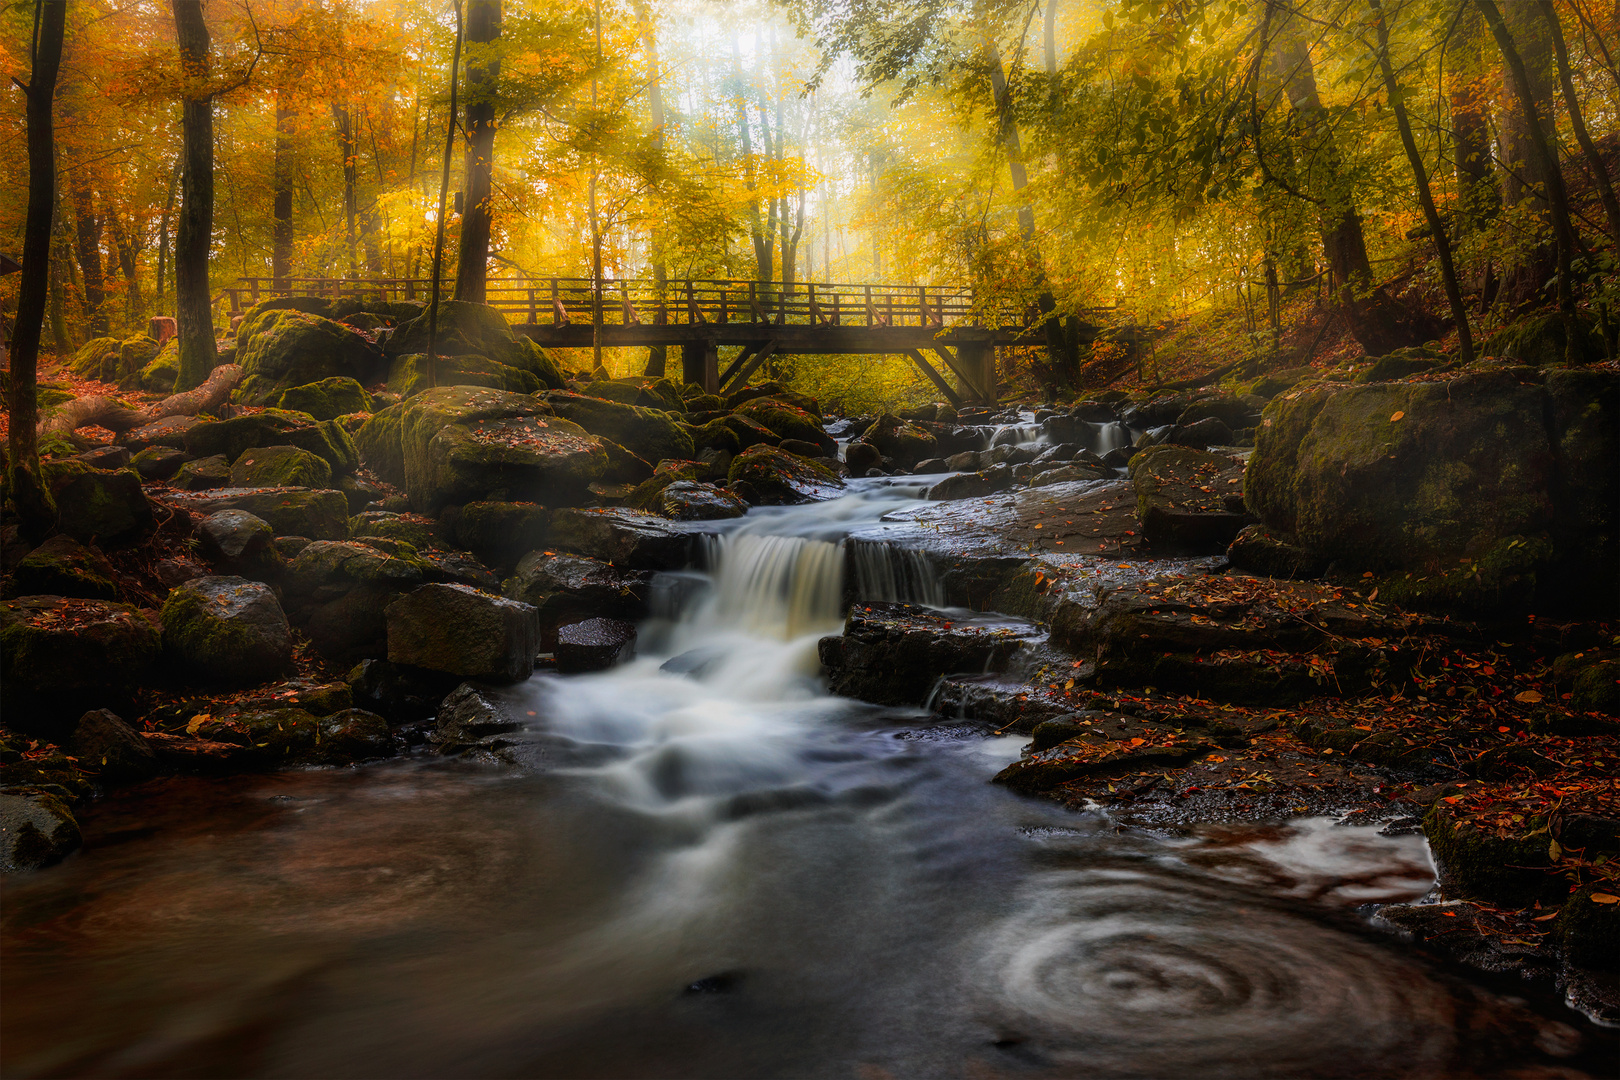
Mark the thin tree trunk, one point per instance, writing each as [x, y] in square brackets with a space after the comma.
[444, 188]
[477, 219]
[32, 500]
[1049, 19]
[1448, 272]
[1594, 160]
[1523, 176]
[1542, 147]
[657, 355]
[762, 237]
[345, 129]
[163, 232]
[58, 305]
[128, 248]
[194, 315]
[281, 236]
[87, 234]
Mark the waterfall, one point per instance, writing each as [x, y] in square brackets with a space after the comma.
[778, 586]
[885, 571]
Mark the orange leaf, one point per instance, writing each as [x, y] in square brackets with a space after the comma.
[1395, 416]
[1605, 898]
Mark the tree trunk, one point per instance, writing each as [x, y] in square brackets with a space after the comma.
[1594, 160]
[1448, 273]
[1049, 19]
[163, 232]
[483, 71]
[128, 247]
[87, 233]
[346, 142]
[281, 235]
[1523, 175]
[194, 313]
[763, 237]
[32, 501]
[657, 355]
[1538, 136]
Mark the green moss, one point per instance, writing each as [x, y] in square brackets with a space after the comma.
[782, 478]
[88, 361]
[327, 399]
[281, 349]
[652, 434]
[61, 566]
[1589, 932]
[378, 443]
[239, 433]
[280, 466]
[160, 373]
[1512, 871]
[791, 422]
[392, 527]
[408, 375]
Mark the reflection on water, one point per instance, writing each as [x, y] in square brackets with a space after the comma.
[708, 867]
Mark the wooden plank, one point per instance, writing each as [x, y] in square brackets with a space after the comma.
[747, 372]
[711, 368]
[742, 358]
[972, 383]
[935, 377]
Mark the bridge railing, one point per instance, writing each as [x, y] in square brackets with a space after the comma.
[563, 301]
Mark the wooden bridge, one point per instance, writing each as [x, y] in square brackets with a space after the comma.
[699, 316]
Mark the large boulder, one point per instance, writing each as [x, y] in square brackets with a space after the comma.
[459, 444]
[62, 566]
[36, 829]
[327, 399]
[237, 542]
[893, 654]
[788, 421]
[59, 657]
[462, 631]
[1188, 500]
[226, 630]
[282, 348]
[693, 500]
[112, 749]
[499, 533]
[594, 645]
[626, 538]
[571, 588]
[319, 515]
[105, 506]
[652, 434]
[280, 466]
[466, 329]
[783, 479]
[239, 433]
[408, 374]
[903, 443]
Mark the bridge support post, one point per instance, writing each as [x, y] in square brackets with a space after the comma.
[978, 359]
[711, 368]
[691, 363]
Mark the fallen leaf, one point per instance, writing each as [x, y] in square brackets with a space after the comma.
[1395, 416]
[1544, 918]
[1527, 697]
[1605, 898]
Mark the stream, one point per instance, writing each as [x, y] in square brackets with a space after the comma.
[709, 867]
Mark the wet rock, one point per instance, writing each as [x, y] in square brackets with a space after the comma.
[783, 479]
[1588, 930]
[458, 568]
[204, 474]
[314, 697]
[1180, 498]
[714, 435]
[168, 432]
[327, 399]
[282, 349]
[567, 588]
[1119, 457]
[861, 455]
[280, 466]
[36, 829]
[468, 719]
[105, 457]
[327, 568]
[625, 538]
[974, 485]
[60, 657]
[1255, 550]
[1110, 744]
[319, 515]
[594, 645]
[1233, 413]
[291, 736]
[1206, 432]
[966, 461]
[903, 443]
[112, 749]
[413, 529]
[1064, 474]
[61, 566]
[651, 434]
[402, 694]
[158, 462]
[172, 572]
[893, 654]
[789, 422]
[227, 630]
[101, 506]
[238, 539]
[773, 389]
[930, 467]
[465, 632]
[690, 500]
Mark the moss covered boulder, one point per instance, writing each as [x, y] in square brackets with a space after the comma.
[776, 390]
[467, 329]
[1539, 341]
[239, 433]
[465, 632]
[787, 421]
[104, 506]
[413, 529]
[568, 588]
[226, 630]
[89, 359]
[283, 348]
[1407, 475]
[36, 829]
[408, 374]
[783, 479]
[628, 539]
[160, 373]
[280, 466]
[693, 500]
[317, 514]
[1189, 500]
[61, 566]
[651, 434]
[903, 443]
[327, 399]
[60, 657]
[640, 390]
[498, 532]
[204, 474]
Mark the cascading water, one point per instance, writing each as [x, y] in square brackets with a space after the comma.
[709, 867]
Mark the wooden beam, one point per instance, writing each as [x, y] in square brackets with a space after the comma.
[711, 368]
[742, 358]
[938, 380]
[753, 365]
[956, 367]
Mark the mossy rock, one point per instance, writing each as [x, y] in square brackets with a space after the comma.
[378, 442]
[1539, 342]
[88, 361]
[62, 566]
[288, 736]
[640, 390]
[1507, 576]
[1585, 418]
[226, 630]
[781, 478]
[309, 305]
[204, 474]
[106, 506]
[1400, 365]
[776, 390]
[281, 349]
[788, 421]
[1512, 871]
[466, 329]
[239, 433]
[60, 657]
[1596, 688]
[159, 374]
[1588, 929]
[36, 829]
[407, 375]
[380, 523]
[280, 466]
[715, 435]
[328, 566]
[693, 500]
[303, 512]
[1408, 475]
[748, 432]
[327, 399]
[328, 440]
[903, 443]
[499, 533]
[701, 402]
[651, 434]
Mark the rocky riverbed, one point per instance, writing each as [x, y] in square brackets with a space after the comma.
[1390, 604]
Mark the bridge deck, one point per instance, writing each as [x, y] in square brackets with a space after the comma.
[700, 315]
